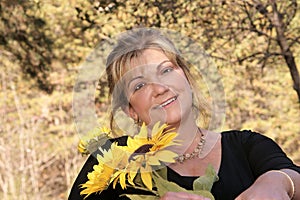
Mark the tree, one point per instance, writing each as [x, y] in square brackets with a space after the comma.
[217, 24]
[23, 40]
[275, 21]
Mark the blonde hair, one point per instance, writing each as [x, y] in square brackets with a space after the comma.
[130, 45]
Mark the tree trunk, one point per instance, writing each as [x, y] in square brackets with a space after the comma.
[285, 49]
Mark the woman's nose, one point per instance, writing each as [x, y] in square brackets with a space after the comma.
[158, 88]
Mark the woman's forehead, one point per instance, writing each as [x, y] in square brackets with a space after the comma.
[148, 56]
[143, 71]
[143, 61]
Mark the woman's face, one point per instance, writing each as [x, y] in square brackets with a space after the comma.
[157, 90]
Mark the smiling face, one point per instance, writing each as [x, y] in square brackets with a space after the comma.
[157, 89]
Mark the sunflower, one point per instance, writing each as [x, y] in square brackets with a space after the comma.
[120, 163]
[82, 147]
[94, 138]
[149, 150]
[111, 166]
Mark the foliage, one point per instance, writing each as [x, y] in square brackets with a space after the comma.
[24, 40]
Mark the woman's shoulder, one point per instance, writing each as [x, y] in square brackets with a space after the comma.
[238, 132]
[243, 136]
[231, 134]
[250, 141]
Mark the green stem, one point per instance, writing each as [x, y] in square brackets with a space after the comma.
[143, 189]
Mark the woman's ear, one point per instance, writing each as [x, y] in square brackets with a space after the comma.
[129, 110]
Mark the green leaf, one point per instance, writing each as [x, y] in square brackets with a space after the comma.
[164, 186]
[138, 180]
[206, 181]
[162, 172]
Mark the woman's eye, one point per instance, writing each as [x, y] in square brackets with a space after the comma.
[139, 86]
[167, 70]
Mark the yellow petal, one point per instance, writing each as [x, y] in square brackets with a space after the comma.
[123, 180]
[143, 131]
[115, 176]
[146, 178]
[166, 156]
[105, 130]
[131, 177]
[155, 128]
[168, 137]
[82, 146]
[159, 132]
[115, 182]
[153, 160]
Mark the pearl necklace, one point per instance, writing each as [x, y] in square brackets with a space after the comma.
[196, 153]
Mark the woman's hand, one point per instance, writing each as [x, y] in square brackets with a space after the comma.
[182, 195]
[271, 185]
[266, 193]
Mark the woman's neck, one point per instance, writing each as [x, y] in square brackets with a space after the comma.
[187, 133]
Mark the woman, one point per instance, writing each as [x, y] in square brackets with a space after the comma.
[150, 82]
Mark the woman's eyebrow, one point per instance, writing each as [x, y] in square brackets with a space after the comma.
[137, 77]
[157, 67]
[160, 64]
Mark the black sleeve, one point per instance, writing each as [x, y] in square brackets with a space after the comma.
[82, 178]
[245, 156]
[264, 154]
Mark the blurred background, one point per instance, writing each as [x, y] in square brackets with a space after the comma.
[255, 45]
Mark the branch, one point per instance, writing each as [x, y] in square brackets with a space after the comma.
[294, 6]
[261, 9]
[256, 54]
[253, 55]
[294, 40]
[217, 57]
[286, 51]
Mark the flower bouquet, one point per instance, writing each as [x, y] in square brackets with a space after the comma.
[140, 164]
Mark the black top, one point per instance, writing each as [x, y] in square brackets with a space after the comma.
[245, 156]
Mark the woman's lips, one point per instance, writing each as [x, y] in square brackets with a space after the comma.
[167, 102]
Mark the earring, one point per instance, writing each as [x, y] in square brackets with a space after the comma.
[137, 121]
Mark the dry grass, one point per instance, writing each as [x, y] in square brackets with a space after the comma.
[39, 158]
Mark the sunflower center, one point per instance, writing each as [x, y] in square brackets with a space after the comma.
[141, 150]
